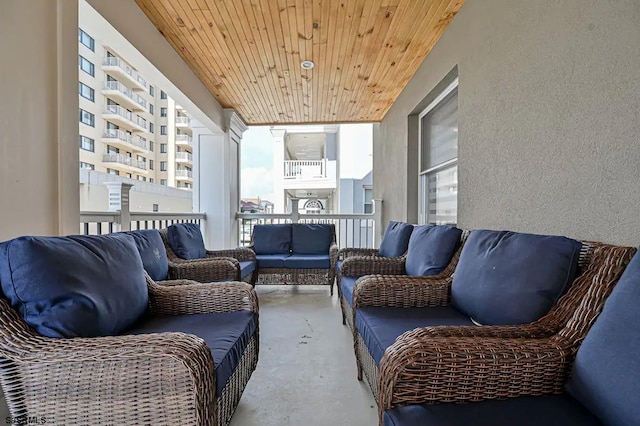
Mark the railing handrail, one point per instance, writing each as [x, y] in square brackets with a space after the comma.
[123, 159]
[128, 69]
[184, 173]
[89, 216]
[125, 113]
[182, 119]
[184, 155]
[126, 137]
[118, 86]
[166, 216]
[305, 216]
[306, 162]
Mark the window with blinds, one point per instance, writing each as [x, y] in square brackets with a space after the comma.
[439, 159]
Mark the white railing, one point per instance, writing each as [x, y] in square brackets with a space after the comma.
[183, 138]
[184, 156]
[181, 119]
[125, 113]
[184, 173]
[305, 169]
[126, 137]
[116, 85]
[99, 223]
[117, 62]
[352, 230]
[123, 159]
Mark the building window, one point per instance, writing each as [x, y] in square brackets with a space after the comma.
[112, 150]
[151, 146]
[163, 112]
[152, 90]
[163, 148]
[142, 178]
[150, 164]
[87, 166]
[151, 180]
[163, 95]
[87, 92]
[87, 40]
[368, 200]
[438, 132]
[86, 66]
[163, 166]
[163, 130]
[87, 144]
[87, 118]
[163, 182]
[128, 175]
[113, 172]
[150, 127]
[156, 208]
[151, 109]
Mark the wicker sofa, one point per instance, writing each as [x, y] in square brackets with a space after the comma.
[584, 373]
[107, 345]
[188, 258]
[401, 305]
[296, 254]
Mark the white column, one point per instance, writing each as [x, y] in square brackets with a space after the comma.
[235, 129]
[279, 204]
[119, 201]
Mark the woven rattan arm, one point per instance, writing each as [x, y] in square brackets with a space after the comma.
[419, 369]
[350, 251]
[358, 266]
[202, 298]
[205, 270]
[401, 291]
[165, 378]
[241, 254]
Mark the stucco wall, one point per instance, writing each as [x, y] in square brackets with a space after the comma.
[549, 135]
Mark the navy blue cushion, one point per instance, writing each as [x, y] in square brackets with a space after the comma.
[152, 252]
[307, 238]
[606, 371]
[547, 410]
[380, 327]
[226, 334]
[505, 277]
[271, 260]
[246, 268]
[347, 285]
[396, 239]
[431, 248]
[272, 239]
[339, 267]
[307, 261]
[185, 239]
[78, 286]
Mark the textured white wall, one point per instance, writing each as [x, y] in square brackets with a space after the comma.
[549, 136]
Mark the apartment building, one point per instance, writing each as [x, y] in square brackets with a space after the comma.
[129, 126]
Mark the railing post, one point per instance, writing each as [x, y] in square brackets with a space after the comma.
[377, 222]
[295, 214]
[119, 201]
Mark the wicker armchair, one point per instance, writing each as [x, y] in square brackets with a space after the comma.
[219, 265]
[557, 334]
[164, 378]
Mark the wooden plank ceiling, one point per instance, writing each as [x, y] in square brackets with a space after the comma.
[248, 52]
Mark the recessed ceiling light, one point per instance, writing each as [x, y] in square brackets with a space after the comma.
[307, 65]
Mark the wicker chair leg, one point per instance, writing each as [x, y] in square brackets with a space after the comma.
[358, 362]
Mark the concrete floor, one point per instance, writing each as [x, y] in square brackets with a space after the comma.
[306, 372]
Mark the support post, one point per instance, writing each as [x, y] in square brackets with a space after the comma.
[119, 201]
[295, 214]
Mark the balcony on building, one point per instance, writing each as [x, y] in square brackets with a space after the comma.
[184, 157]
[183, 140]
[118, 68]
[309, 164]
[125, 118]
[184, 175]
[183, 121]
[123, 95]
[125, 163]
[124, 140]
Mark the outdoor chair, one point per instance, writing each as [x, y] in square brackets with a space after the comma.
[89, 338]
[185, 247]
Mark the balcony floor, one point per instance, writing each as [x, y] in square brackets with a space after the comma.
[306, 372]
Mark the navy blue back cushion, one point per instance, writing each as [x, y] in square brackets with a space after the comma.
[272, 239]
[506, 277]
[307, 238]
[431, 248]
[152, 252]
[396, 239]
[606, 371]
[78, 286]
[185, 239]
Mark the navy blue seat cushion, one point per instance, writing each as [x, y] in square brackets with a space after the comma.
[339, 266]
[431, 248]
[272, 239]
[396, 239]
[606, 371]
[226, 334]
[380, 327]
[152, 252]
[246, 268]
[308, 261]
[311, 238]
[271, 260]
[547, 410]
[506, 277]
[77, 286]
[185, 239]
[347, 285]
